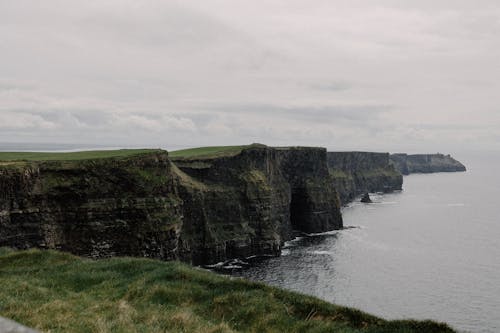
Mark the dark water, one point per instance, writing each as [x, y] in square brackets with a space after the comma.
[431, 251]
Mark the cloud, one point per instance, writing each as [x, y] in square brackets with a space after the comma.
[164, 123]
[331, 86]
[343, 74]
[23, 121]
[345, 114]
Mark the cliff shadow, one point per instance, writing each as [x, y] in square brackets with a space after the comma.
[299, 209]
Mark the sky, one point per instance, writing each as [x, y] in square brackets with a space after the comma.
[389, 75]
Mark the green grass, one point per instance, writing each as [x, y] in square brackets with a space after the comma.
[210, 152]
[57, 292]
[72, 156]
[337, 173]
[388, 172]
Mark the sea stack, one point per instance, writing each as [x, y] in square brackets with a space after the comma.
[366, 198]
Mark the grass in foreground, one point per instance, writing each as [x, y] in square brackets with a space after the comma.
[72, 156]
[209, 152]
[58, 292]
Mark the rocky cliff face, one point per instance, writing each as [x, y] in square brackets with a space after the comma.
[198, 210]
[355, 173]
[252, 201]
[95, 208]
[425, 163]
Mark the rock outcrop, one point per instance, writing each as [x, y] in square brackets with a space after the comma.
[425, 163]
[356, 173]
[200, 210]
[366, 198]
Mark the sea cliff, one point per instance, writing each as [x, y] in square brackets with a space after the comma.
[425, 163]
[96, 207]
[248, 202]
[355, 173]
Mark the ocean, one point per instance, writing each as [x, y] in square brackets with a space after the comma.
[431, 251]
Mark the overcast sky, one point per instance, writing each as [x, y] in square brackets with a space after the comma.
[392, 75]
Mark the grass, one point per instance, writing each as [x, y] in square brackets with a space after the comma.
[388, 172]
[72, 156]
[58, 292]
[337, 173]
[210, 152]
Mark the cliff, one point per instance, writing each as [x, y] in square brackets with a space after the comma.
[201, 209]
[253, 198]
[355, 173]
[425, 163]
[97, 207]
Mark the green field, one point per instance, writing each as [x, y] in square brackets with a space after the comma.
[72, 156]
[210, 152]
[58, 292]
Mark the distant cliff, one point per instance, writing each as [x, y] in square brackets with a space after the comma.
[200, 209]
[355, 173]
[425, 163]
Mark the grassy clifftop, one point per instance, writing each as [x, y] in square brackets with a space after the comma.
[72, 156]
[210, 152]
[58, 292]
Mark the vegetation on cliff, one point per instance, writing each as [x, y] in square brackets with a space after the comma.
[207, 152]
[58, 292]
[73, 156]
